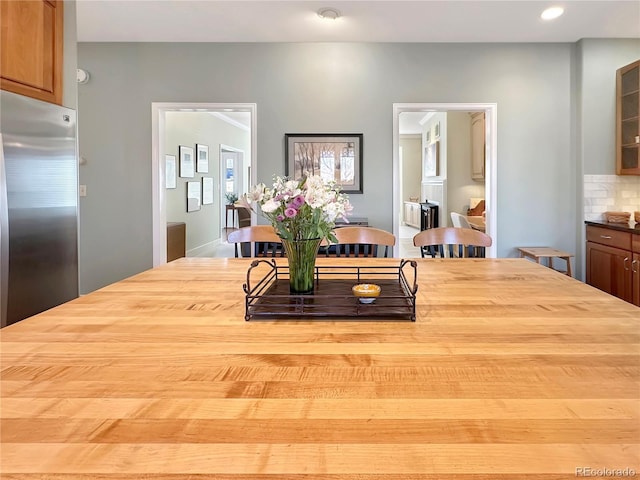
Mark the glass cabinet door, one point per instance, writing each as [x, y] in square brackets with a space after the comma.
[628, 120]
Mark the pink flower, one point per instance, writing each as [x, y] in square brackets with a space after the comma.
[280, 218]
[298, 201]
[290, 212]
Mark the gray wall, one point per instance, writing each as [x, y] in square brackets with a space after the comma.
[411, 165]
[460, 186]
[188, 128]
[69, 56]
[595, 88]
[329, 87]
[597, 76]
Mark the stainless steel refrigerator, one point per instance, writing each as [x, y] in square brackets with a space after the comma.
[38, 206]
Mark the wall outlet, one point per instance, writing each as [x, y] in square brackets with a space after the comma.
[83, 190]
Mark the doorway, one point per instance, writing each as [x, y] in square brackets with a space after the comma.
[490, 111]
[231, 180]
[158, 135]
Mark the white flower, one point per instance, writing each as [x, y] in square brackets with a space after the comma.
[270, 206]
[331, 211]
[296, 220]
[256, 194]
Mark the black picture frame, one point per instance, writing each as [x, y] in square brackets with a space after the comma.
[316, 154]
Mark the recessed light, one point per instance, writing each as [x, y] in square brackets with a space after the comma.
[551, 13]
[328, 13]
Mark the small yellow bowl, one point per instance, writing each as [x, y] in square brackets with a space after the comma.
[366, 292]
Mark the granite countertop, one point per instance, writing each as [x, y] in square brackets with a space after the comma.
[631, 227]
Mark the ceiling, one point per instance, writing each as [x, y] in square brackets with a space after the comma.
[361, 21]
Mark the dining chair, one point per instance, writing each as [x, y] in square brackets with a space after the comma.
[266, 241]
[459, 221]
[244, 216]
[359, 242]
[435, 241]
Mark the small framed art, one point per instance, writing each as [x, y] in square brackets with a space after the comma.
[187, 165]
[202, 158]
[430, 167]
[207, 190]
[170, 171]
[194, 196]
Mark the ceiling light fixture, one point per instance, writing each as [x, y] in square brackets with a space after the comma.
[551, 13]
[329, 13]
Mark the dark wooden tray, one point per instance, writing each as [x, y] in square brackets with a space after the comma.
[332, 297]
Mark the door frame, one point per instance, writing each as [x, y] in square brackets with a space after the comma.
[158, 151]
[491, 160]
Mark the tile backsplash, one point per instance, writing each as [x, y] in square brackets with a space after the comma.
[605, 193]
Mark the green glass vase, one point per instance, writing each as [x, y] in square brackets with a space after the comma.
[301, 255]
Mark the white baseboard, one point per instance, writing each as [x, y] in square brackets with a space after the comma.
[204, 250]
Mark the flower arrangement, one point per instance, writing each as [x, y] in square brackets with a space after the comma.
[301, 209]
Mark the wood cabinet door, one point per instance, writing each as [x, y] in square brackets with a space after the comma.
[609, 269]
[412, 214]
[31, 54]
[415, 215]
[407, 213]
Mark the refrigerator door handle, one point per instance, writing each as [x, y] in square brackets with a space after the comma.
[4, 239]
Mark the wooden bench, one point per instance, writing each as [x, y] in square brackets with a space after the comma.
[549, 253]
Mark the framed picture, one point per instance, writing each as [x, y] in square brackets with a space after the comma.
[202, 158]
[186, 161]
[170, 171]
[207, 190]
[430, 163]
[193, 196]
[333, 156]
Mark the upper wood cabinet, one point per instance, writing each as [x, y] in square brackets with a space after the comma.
[628, 119]
[31, 48]
[477, 146]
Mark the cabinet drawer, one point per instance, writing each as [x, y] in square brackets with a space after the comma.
[635, 243]
[612, 238]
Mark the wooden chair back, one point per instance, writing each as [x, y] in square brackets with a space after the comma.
[360, 242]
[266, 241]
[459, 242]
[244, 217]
